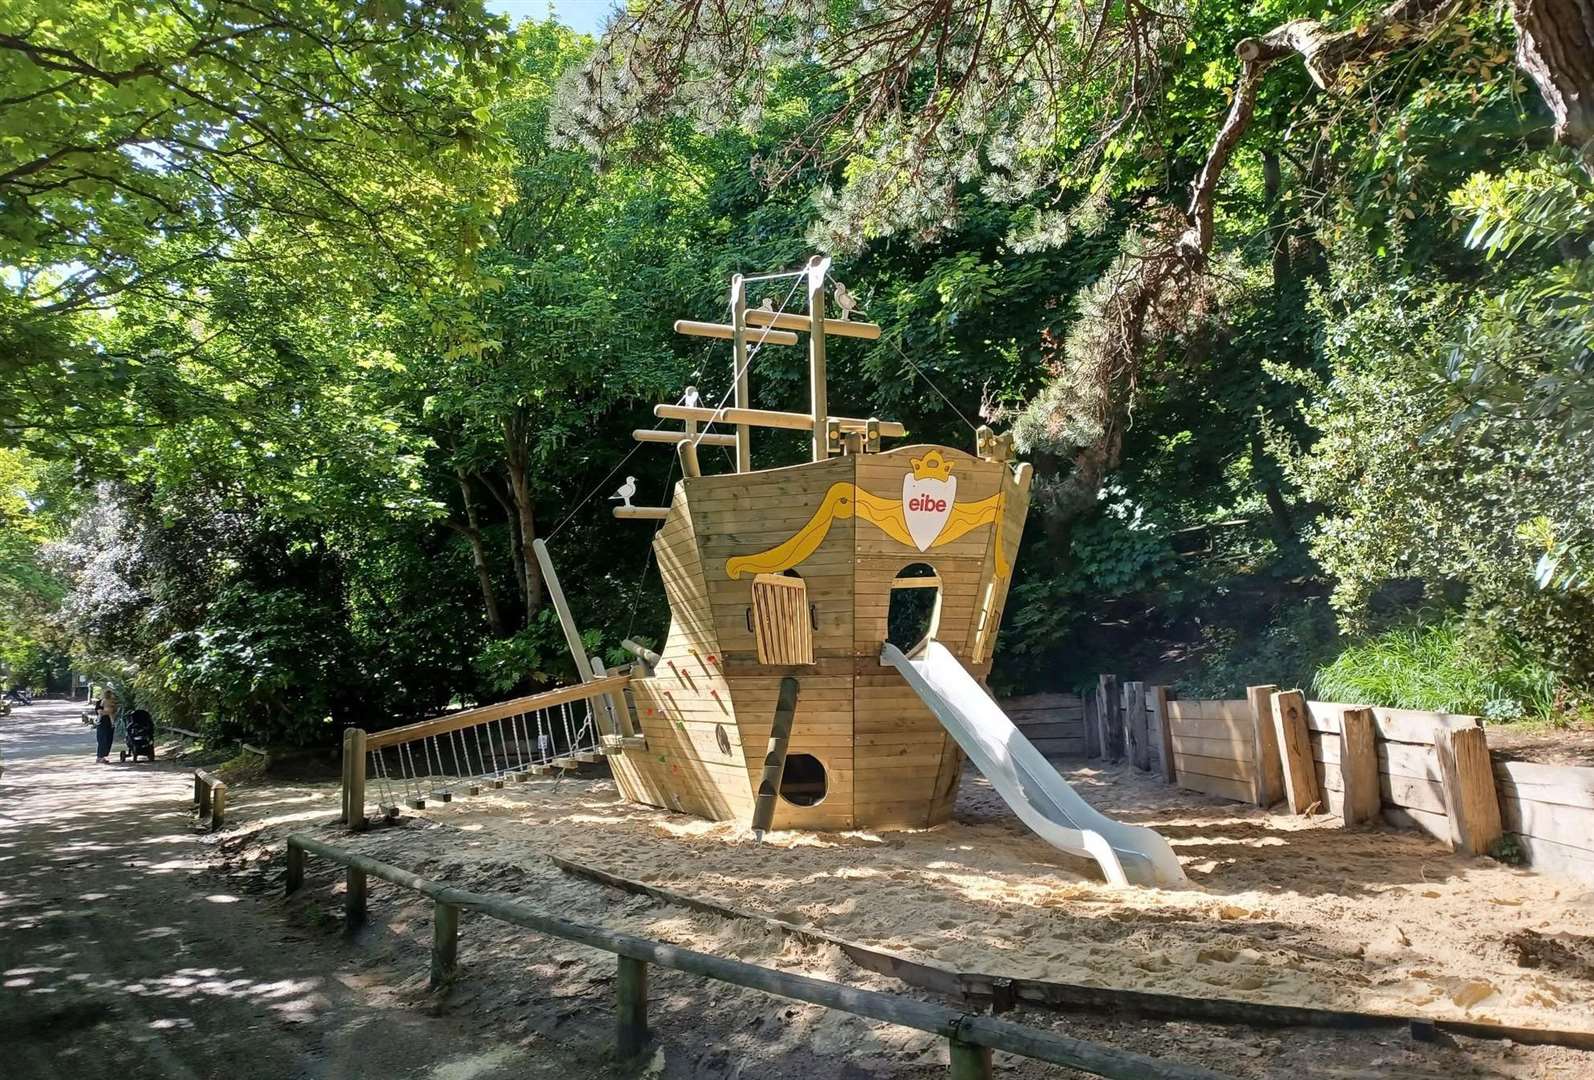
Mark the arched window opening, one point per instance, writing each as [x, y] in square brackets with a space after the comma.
[915, 607]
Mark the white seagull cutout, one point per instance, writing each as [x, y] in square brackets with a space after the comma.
[625, 491]
[845, 299]
[690, 398]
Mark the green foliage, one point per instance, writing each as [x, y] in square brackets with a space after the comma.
[1441, 666]
[535, 654]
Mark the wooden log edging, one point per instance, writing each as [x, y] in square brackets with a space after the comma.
[210, 799]
[1001, 992]
[634, 953]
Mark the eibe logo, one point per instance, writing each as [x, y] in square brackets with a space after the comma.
[928, 493]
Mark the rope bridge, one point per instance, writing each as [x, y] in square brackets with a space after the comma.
[465, 751]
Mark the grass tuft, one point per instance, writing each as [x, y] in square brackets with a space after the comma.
[1441, 668]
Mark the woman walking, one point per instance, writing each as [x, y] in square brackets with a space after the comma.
[104, 727]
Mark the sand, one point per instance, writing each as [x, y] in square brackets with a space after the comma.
[1280, 909]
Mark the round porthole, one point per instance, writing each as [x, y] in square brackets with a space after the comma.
[803, 782]
[722, 740]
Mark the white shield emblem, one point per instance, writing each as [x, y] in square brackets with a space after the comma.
[926, 505]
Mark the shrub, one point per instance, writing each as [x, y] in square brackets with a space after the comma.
[1443, 666]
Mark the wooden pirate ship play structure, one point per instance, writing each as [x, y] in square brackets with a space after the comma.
[781, 696]
[831, 626]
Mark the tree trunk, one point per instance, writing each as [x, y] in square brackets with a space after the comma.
[1555, 47]
[473, 533]
[518, 464]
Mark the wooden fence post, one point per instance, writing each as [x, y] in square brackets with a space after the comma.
[1470, 796]
[1267, 783]
[445, 943]
[969, 1062]
[295, 879]
[354, 778]
[354, 898]
[218, 805]
[631, 1003]
[1289, 724]
[1358, 765]
[1136, 728]
[201, 795]
[1158, 699]
[1092, 726]
[1110, 713]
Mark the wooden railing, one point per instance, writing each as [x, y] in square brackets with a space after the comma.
[462, 752]
[971, 1036]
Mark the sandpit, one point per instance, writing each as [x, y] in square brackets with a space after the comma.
[1281, 909]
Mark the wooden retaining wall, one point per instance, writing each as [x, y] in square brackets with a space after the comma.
[1055, 723]
[1549, 810]
[1214, 747]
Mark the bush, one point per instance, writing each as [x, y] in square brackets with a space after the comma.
[1442, 666]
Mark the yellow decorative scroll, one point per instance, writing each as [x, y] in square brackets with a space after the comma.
[843, 500]
[837, 503]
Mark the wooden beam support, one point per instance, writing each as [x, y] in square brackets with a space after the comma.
[785, 421]
[740, 377]
[641, 513]
[631, 1007]
[833, 327]
[445, 944]
[818, 388]
[687, 448]
[968, 1061]
[608, 723]
[1267, 780]
[354, 896]
[1136, 729]
[1158, 700]
[1110, 715]
[1289, 724]
[724, 332]
[654, 435]
[1471, 800]
[1358, 765]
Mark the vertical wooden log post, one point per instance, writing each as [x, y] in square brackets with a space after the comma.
[1110, 713]
[202, 796]
[445, 944]
[1470, 796]
[969, 1062]
[1158, 699]
[1267, 781]
[354, 778]
[1358, 765]
[1289, 724]
[818, 391]
[1092, 726]
[631, 1005]
[354, 890]
[218, 806]
[744, 394]
[1136, 729]
[295, 878]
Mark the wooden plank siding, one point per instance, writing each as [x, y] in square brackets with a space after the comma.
[1549, 811]
[1055, 723]
[1214, 746]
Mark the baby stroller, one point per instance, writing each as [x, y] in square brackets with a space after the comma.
[140, 735]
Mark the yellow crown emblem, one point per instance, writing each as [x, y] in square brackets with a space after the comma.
[931, 466]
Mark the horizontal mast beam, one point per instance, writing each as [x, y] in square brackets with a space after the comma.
[673, 437]
[642, 513]
[833, 327]
[724, 332]
[786, 421]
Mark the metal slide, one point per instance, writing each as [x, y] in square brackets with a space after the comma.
[1043, 800]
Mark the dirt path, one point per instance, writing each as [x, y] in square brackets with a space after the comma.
[120, 957]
